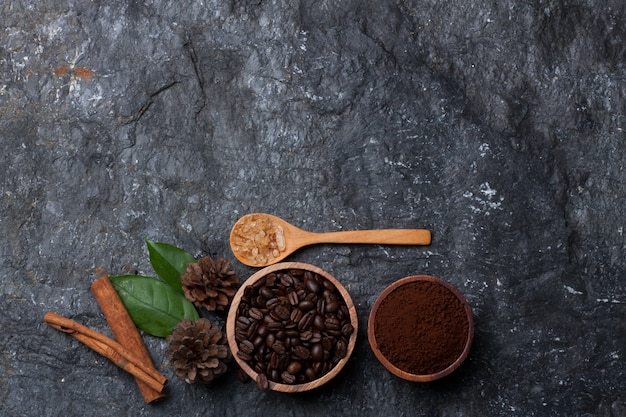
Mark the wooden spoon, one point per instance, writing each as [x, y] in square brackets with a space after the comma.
[260, 239]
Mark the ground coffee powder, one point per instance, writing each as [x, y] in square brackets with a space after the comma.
[421, 327]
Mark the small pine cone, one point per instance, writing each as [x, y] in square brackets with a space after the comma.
[210, 283]
[197, 351]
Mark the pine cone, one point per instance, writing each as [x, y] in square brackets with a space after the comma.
[197, 351]
[210, 284]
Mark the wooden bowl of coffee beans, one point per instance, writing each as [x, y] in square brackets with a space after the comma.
[291, 327]
[420, 328]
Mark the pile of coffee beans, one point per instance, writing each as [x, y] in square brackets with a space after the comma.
[292, 327]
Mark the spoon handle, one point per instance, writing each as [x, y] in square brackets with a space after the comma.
[381, 236]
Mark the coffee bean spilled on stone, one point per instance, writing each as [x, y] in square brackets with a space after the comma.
[292, 327]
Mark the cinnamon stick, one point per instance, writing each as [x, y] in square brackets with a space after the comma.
[125, 331]
[110, 349]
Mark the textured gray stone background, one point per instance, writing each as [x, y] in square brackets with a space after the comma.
[499, 125]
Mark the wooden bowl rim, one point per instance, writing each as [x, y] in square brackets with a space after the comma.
[232, 317]
[391, 367]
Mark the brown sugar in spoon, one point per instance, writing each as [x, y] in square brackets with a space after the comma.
[260, 239]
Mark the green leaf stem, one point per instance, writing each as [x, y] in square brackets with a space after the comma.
[169, 262]
[153, 305]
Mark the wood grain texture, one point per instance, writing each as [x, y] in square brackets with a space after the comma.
[296, 238]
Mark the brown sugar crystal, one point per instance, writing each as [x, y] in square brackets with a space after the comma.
[258, 239]
[421, 327]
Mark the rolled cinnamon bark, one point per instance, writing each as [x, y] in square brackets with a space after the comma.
[125, 331]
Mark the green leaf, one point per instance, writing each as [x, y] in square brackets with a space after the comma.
[169, 262]
[153, 305]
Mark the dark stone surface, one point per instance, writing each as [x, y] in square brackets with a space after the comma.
[499, 125]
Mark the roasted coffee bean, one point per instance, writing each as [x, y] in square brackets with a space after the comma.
[315, 337]
[296, 315]
[274, 326]
[295, 341]
[267, 319]
[262, 382]
[281, 311]
[312, 285]
[326, 367]
[278, 347]
[294, 367]
[306, 335]
[327, 343]
[309, 373]
[258, 341]
[274, 375]
[281, 335]
[243, 310]
[292, 332]
[329, 285]
[266, 292]
[332, 307]
[306, 321]
[293, 298]
[332, 332]
[270, 279]
[273, 361]
[242, 355]
[260, 367]
[332, 323]
[270, 339]
[317, 367]
[243, 322]
[286, 280]
[252, 328]
[262, 330]
[321, 306]
[259, 284]
[341, 349]
[240, 335]
[301, 352]
[247, 347]
[270, 303]
[347, 329]
[249, 292]
[317, 352]
[260, 301]
[306, 305]
[255, 313]
[319, 323]
[287, 377]
[283, 361]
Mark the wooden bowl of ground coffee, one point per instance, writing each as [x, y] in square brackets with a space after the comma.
[421, 328]
[291, 327]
